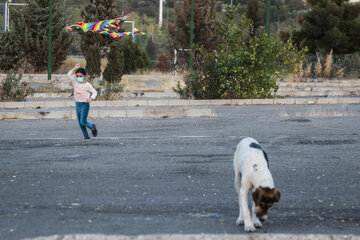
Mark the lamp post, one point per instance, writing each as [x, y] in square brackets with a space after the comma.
[50, 40]
[191, 33]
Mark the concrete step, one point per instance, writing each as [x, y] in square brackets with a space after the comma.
[298, 93]
[168, 103]
[98, 113]
[328, 83]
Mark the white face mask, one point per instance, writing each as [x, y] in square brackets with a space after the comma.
[80, 79]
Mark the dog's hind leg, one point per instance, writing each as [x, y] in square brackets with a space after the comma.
[240, 220]
[237, 182]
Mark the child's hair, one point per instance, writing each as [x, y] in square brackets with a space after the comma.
[81, 70]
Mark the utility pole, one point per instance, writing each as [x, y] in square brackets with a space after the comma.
[50, 39]
[191, 33]
[160, 12]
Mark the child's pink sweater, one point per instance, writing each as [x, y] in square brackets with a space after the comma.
[81, 90]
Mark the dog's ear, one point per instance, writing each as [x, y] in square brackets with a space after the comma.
[276, 195]
[257, 195]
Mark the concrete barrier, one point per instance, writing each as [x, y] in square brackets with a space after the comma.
[101, 114]
[183, 103]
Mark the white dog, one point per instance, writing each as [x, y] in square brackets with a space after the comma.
[251, 168]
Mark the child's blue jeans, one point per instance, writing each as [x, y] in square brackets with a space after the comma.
[82, 111]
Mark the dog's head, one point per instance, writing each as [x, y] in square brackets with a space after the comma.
[264, 198]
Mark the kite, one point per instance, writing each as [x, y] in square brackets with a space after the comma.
[106, 27]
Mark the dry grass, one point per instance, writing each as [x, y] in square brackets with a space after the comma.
[318, 67]
[324, 68]
[72, 60]
[328, 65]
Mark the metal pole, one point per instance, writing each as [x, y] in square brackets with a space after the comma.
[191, 33]
[6, 16]
[160, 12]
[267, 25]
[50, 40]
[132, 29]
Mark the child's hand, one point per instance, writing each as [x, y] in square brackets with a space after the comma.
[76, 66]
[89, 100]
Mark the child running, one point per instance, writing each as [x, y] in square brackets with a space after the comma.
[82, 90]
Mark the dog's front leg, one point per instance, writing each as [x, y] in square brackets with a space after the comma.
[255, 219]
[244, 208]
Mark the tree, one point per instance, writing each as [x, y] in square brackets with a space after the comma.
[93, 62]
[31, 27]
[10, 52]
[330, 24]
[244, 66]
[252, 12]
[114, 68]
[97, 10]
[136, 58]
[151, 49]
[204, 28]
[74, 14]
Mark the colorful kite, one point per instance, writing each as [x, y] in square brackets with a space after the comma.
[106, 27]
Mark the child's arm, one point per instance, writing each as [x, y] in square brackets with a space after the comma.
[71, 73]
[93, 92]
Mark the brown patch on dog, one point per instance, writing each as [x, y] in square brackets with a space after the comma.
[264, 198]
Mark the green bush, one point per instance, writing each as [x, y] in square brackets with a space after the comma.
[13, 89]
[244, 66]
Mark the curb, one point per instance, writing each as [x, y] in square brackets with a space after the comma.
[101, 114]
[201, 237]
[178, 102]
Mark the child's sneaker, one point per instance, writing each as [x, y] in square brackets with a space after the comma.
[94, 131]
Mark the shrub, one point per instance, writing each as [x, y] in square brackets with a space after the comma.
[350, 63]
[163, 63]
[244, 66]
[12, 89]
[109, 91]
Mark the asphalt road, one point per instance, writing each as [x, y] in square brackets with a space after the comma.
[150, 176]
